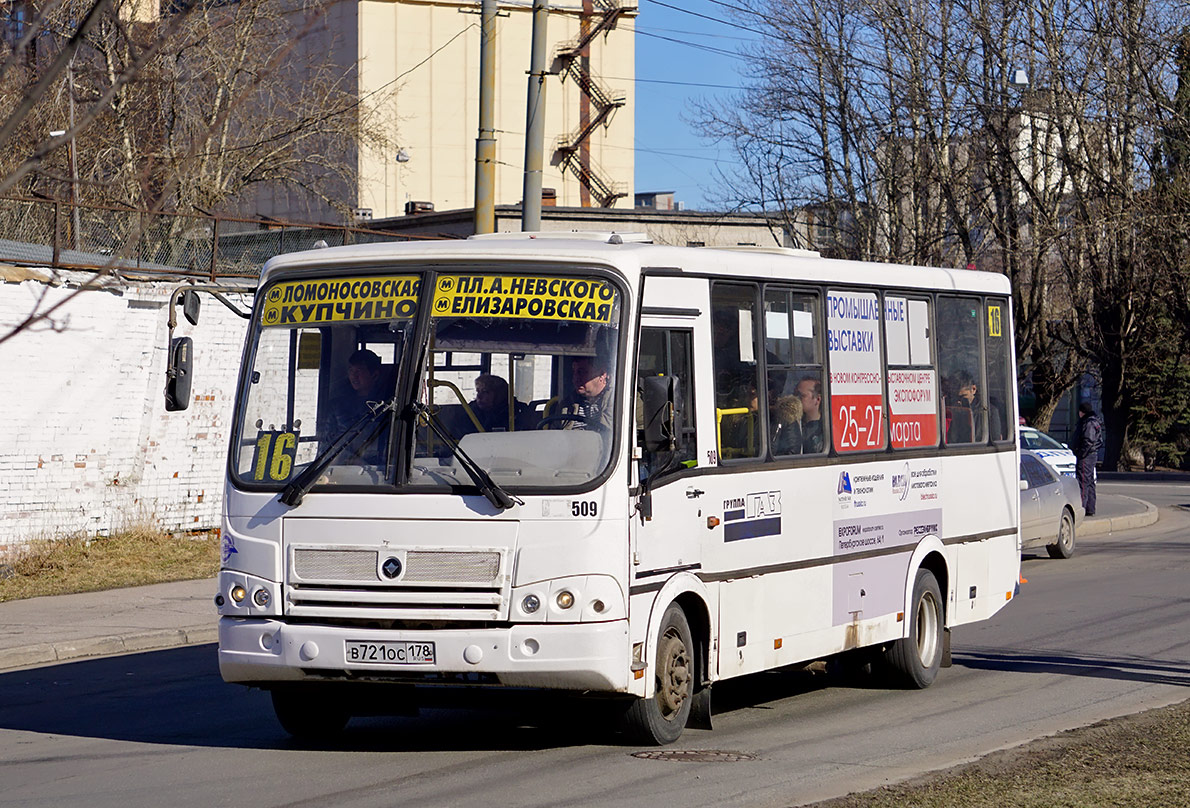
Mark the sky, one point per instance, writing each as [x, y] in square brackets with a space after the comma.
[680, 58]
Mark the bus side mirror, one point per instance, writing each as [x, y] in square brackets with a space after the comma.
[190, 306]
[662, 418]
[178, 374]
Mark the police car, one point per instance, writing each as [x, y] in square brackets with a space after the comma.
[1053, 453]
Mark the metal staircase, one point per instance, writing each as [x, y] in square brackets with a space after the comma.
[598, 103]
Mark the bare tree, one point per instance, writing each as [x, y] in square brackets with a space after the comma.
[187, 111]
[903, 117]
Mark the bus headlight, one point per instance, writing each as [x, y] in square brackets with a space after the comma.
[261, 597]
[573, 599]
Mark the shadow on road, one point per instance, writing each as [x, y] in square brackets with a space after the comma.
[177, 697]
[1148, 671]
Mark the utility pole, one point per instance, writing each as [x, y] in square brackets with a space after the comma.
[74, 166]
[535, 122]
[485, 144]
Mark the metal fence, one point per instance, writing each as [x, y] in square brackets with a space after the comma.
[54, 233]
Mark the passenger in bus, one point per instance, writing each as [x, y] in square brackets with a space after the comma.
[591, 396]
[491, 404]
[970, 417]
[786, 422]
[365, 377]
[809, 391]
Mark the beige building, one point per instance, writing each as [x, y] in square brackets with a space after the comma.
[417, 67]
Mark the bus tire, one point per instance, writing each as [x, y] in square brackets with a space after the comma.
[659, 720]
[1064, 546]
[307, 714]
[913, 661]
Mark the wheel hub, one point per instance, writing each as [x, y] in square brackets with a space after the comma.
[674, 675]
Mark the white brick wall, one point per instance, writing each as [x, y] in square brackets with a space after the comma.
[85, 442]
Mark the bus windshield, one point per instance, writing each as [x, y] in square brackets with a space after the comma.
[522, 375]
[517, 374]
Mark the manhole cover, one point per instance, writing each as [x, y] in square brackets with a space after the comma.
[696, 755]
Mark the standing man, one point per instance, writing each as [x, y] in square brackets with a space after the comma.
[1088, 438]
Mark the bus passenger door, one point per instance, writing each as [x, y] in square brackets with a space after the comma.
[672, 340]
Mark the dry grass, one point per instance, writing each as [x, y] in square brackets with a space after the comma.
[1135, 762]
[138, 555]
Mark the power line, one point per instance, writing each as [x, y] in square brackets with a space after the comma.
[679, 83]
[707, 48]
[687, 33]
[706, 17]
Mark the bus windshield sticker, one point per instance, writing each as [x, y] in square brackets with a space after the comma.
[534, 298]
[994, 321]
[275, 452]
[853, 341]
[346, 300]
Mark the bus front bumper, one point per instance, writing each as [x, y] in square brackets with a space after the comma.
[573, 656]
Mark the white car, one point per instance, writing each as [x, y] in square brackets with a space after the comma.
[1053, 453]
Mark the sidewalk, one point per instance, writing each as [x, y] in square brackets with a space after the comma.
[41, 631]
[38, 631]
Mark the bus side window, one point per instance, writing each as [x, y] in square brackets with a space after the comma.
[964, 401]
[739, 418]
[793, 348]
[670, 352]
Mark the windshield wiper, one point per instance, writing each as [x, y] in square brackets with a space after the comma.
[301, 485]
[483, 481]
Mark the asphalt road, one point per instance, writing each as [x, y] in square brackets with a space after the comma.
[1103, 634]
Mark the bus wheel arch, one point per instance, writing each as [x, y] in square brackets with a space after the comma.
[936, 563]
[931, 555]
[680, 611]
[659, 719]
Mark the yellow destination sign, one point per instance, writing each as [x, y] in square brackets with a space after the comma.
[365, 299]
[581, 299]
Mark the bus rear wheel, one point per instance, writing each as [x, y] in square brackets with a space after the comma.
[913, 661]
[309, 715]
[660, 719]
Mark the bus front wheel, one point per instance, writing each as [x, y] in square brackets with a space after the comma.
[660, 719]
[914, 660]
[308, 715]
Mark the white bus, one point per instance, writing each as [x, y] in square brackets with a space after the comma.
[585, 463]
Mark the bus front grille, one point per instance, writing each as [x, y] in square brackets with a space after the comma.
[424, 584]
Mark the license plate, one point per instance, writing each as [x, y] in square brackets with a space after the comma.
[390, 653]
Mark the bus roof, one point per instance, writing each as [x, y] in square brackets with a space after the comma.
[630, 257]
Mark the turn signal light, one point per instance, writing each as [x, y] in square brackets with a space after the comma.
[238, 593]
[564, 600]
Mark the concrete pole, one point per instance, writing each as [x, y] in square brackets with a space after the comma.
[535, 122]
[485, 144]
[75, 230]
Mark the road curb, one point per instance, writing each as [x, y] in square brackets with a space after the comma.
[1097, 527]
[66, 651]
